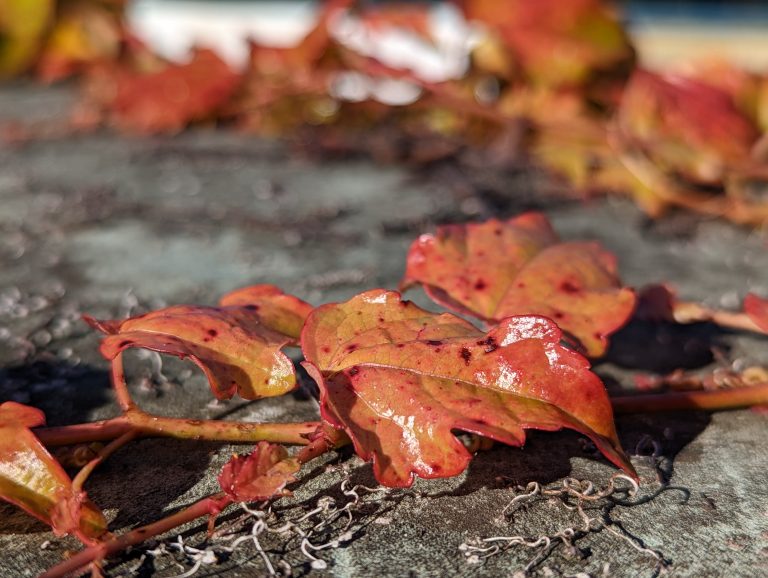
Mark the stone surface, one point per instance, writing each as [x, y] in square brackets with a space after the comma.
[109, 225]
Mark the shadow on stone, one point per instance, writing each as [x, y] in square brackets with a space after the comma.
[65, 392]
[665, 347]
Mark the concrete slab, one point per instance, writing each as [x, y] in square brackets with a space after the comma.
[107, 225]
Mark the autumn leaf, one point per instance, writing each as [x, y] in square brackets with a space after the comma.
[33, 480]
[237, 349]
[165, 100]
[556, 43]
[277, 310]
[496, 269]
[23, 24]
[261, 475]
[686, 126]
[398, 379]
[84, 32]
[757, 310]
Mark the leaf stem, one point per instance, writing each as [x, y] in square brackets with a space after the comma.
[207, 506]
[120, 386]
[734, 398]
[146, 425]
[106, 451]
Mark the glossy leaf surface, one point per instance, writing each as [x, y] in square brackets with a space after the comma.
[496, 269]
[261, 475]
[33, 480]
[399, 379]
[235, 347]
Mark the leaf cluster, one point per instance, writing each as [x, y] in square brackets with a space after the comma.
[549, 82]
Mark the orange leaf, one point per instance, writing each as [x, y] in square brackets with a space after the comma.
[259, 476]
[557, 43]
[237, 347]
[277, 310]
[686, 126]
[496, 269]
[398, 379]
[33, 480]
[166, 100]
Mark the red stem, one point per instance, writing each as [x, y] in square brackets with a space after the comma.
[146, 425]
[736, 397]
[120, 386]
[211, 505]
[207, 506]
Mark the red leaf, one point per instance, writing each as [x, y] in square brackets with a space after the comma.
[757, 310]
[238, 347]
[277, 310]
[259, 476]
[558, 43]
[165, 100]
[496, 269]
[33, 480]
[398, 379]
[686, 125]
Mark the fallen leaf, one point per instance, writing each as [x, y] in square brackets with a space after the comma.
[496, 269]
[84, 32]
[33, 480]
[277, 310]
[22, 28]
[398, 379]
[685, 126]
[261, 475]
[165, 100]
[557, 43]
[235, 347]
[757, 310]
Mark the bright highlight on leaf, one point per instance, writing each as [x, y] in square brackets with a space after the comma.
[33, 480]
[237, 346]
[259, 476]
[398, 379]
[496, 269]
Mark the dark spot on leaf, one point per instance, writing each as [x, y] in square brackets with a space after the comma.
[351, 347]
[558, 315]
[353, 371]
[212, 332]
[434, 342]
[569, 287]
[466, 355]
[480, 285]
[489, 345]
[326, 349]
[251, 307]
[400, 345]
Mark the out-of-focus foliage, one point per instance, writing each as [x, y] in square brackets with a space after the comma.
[549, 82]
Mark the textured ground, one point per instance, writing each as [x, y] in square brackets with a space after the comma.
[108, 225]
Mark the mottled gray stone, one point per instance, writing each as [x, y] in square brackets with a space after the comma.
[108, 225]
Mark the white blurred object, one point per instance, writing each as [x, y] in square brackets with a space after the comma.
[174, 28]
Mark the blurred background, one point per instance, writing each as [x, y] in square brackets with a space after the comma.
[665, 32]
